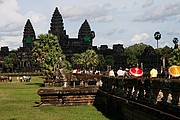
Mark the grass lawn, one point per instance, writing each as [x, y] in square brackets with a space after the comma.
[17, 102]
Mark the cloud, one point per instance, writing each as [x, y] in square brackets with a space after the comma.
[12, 24]
[173, 32]
[99, 40]
[94, 13]
[35, 17]
[160, 13]
[111, 31]
[163, 44]
[148, 3]
[8, 9]
[139, 38]
[14, 41]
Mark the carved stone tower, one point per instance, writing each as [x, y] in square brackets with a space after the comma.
[57, 27]
[85, 34]
[28, 35]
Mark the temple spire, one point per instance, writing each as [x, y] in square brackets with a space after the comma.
[28, 35]
[85, 34]
[57, 26]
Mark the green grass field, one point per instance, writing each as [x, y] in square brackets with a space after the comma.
[17, 102]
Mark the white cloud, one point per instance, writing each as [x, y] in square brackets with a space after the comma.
[148, 3]
[94, 13]
[8, 10]
[160, 13]
[99, 40]
[173, 32]
[35, 17]
[139, 38]
[12, 23]
[14, 41]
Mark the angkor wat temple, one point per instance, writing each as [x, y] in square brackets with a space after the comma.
[68, 45]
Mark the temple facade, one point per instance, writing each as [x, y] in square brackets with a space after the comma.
[24, 54]
[69, 46]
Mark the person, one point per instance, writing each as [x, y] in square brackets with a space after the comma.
[111, 73]
[21, 79]
[127, 74]
[153, 73]
[120, 72]
[17, 79]
[10, 79]
[164, 73]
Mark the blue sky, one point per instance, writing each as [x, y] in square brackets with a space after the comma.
[114, 21]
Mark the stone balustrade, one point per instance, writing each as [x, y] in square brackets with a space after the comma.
[157, 93]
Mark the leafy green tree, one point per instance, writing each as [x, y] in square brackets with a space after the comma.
[133, 52]
[175, 57]
[109, 60]
[86, 59]
[165, 51]
[9, 62]
[76, 60]
[102, 61]
[48, 52]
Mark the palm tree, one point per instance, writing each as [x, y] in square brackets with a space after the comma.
[175, 41]
[47, 52]
[157, 36]
[86, 59]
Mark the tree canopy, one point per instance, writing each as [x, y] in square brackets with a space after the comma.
[133, 52]
[9, 62]
[175, 57]
[48, 52]
[86, 59]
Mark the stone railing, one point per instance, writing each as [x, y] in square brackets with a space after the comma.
[79, 89]
[157, 93]
[75, 80]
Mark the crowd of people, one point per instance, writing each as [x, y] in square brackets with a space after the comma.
[18, 79]
[153, 73]
[125, 73]
[120, 73]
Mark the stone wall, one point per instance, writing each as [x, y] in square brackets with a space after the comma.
[140, 98]
[68, 96]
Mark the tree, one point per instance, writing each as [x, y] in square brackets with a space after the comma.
[9, 62]
[175, 41]
[47, 52]
[102, 61]
[109, 60]
[157, 36]
[76, 60]
[166, 51]
[133, 52]
[175, 57]
[86, 59]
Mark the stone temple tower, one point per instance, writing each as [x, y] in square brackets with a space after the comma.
[57, 26]
[85, 34]
[28, 35]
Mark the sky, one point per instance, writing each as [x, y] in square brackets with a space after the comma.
[124, 22]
